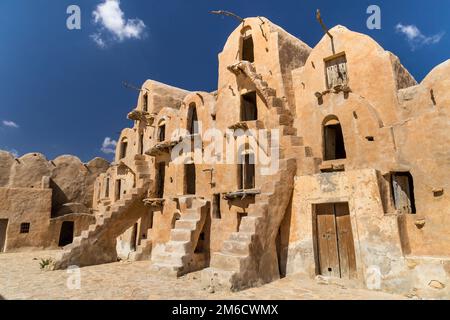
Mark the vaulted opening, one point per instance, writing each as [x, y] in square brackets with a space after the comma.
[403, 191]
[162, 131]
[192, 120]
[123, 148]
[333, 139]
[118, 190]
[249, 110]
[66, 233]
[145, 102]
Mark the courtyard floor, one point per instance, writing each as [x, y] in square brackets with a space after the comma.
[22, 278]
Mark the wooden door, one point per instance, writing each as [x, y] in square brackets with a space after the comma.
[336, 251]
[327, 241]
[346, 247]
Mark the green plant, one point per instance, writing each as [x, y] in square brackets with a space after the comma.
[45, 262]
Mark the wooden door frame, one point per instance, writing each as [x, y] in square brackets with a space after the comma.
[315, 238]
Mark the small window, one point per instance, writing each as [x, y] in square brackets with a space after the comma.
[145, 102]
[249, 110]
[25, 227]
[403, 192]
[248, 49]
[216, 213]
[336, 71]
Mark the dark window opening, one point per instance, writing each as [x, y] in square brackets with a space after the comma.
[248, 49]
[160, 181]
[240, 215]
[334, 142]
[336, 71]
[190, 179]
[107, 188]
[247, 173]
[150, 220]
[141, 144]
[134, 238]
[123, 148]
[403, 191]
[162, 133]
[25, 227]
[66, 234]
[118, 190]
[216, 212]
[249, 110]
[145, 103]
[370, 138]
[192, 120]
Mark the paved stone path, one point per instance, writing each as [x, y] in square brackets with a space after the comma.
[22, 278]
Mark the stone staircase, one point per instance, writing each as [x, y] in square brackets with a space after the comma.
[248, 257]
[97, 244]
[179, 256]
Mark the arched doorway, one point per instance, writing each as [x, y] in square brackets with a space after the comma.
[333, 139]
[192, 120]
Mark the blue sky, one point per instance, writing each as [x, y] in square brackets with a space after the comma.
[61, 92]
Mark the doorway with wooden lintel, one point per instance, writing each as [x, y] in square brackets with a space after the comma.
[334, 243]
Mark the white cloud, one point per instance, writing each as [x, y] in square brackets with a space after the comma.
[97, 38]
[415, 37]
[10, 124]
[109, 145]
[110, 17]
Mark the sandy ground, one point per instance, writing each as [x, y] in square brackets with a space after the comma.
[22, 278]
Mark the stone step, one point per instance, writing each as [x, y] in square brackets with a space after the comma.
[178, 246]
[236, 247]
[190, 224]
[181, 235]
[173, 259]
[227, 262]
[241, 236]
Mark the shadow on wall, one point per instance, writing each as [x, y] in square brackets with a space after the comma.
[282, 240]
[59, 198]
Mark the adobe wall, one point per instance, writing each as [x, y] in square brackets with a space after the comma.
[26, 205]
[376, 238]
